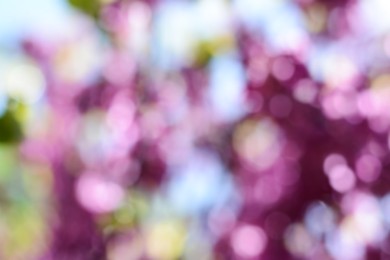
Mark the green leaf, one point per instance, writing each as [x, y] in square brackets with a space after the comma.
[10, 129]
[205, 50]
[89, 7]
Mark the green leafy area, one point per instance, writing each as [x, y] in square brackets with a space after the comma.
[89, 7]
[10, 128]
[207, 49]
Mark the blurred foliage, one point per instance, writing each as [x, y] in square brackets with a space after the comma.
[143, 126]
[23, 219]
[129, 215]
[205, 50]
[89, 7]
[8, 161]
[10, 128]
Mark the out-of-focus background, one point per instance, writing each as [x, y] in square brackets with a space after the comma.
[194, 129]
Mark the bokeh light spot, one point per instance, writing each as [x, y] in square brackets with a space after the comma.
[248, 241]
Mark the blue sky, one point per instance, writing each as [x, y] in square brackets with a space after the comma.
[46, 18]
